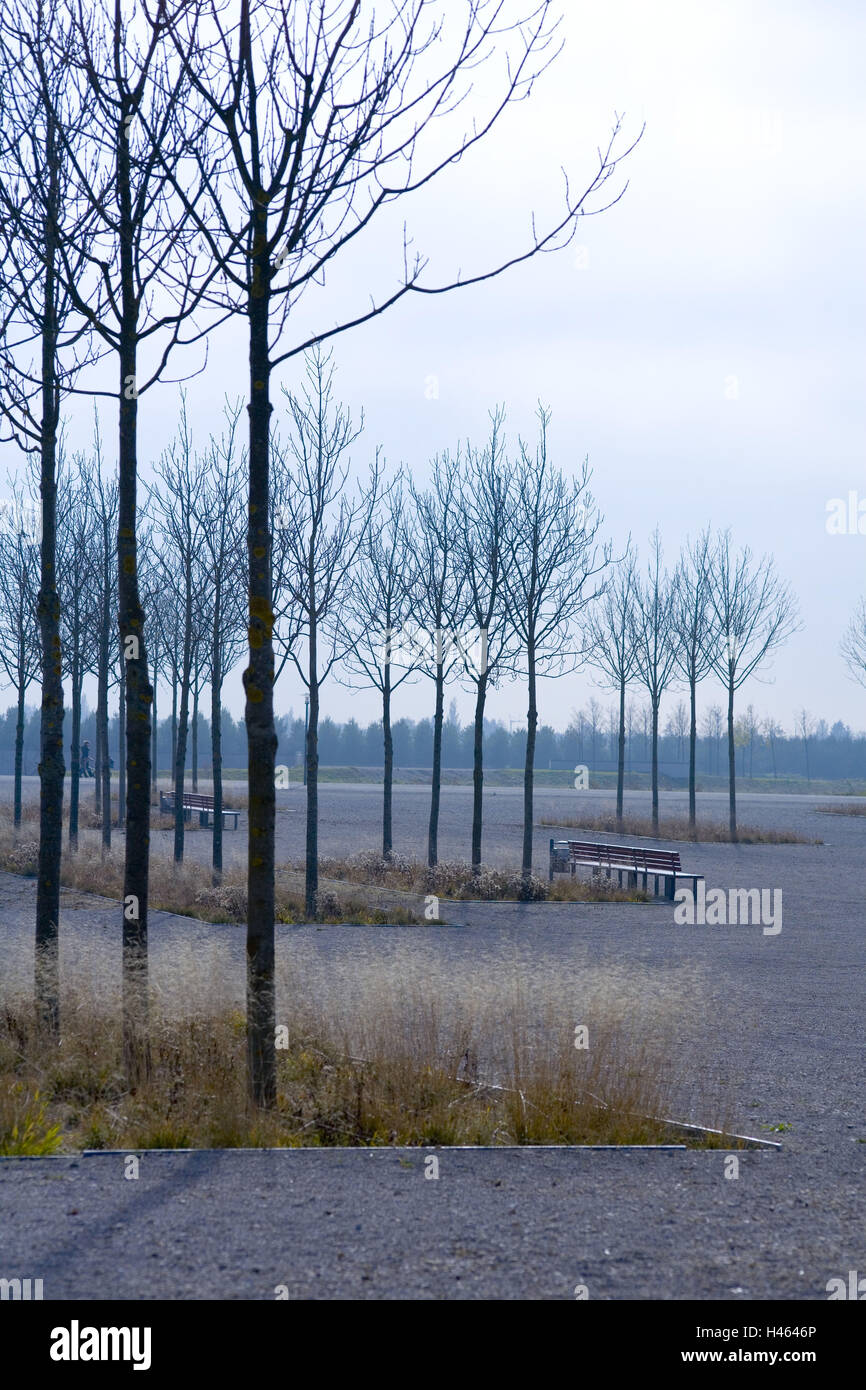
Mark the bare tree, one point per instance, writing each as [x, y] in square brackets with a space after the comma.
[754, 612]
[316, 125]
[142, 285]
[553, 559]
[853, 644]
[483, 521]
[577, 725]
[771, 729]
[631, 723]
[221, 522]
[102, 500]
[693, 636]
[197, 682]
[613, 729]
[378, 614]
[805, 728]
[163, 607]
[322, 533]
[612, 641]
[176, 500]
[714, 722]
[35, 320]
[439, 604]
[677, 727]
[20, 652]
[646, 728]
[156, 601]
[78, 544]
[656, 648]
[751, 726]
[595, 718]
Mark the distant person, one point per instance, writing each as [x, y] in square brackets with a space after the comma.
[86, 770]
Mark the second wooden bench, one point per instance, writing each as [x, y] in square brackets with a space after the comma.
[193, 802]
[622, 859]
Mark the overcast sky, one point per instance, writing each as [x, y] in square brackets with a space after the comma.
[701, 342]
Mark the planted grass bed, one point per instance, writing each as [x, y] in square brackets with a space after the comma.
[459, 882]
[676, 828]
[188, 890]
[383, 1071]
[363, 889]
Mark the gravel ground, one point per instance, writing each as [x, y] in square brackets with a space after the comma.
[777, 1021]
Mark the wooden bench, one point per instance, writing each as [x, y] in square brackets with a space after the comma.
[622, 859]
[193, 802]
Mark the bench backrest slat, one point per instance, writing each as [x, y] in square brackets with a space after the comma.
[633, 857]
[191, 800]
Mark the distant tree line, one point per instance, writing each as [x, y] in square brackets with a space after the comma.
[809, 749]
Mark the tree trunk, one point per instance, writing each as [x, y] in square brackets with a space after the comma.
[102, 779]
[732, 765]
[183, 723]
[620, 769]
[312, 754]
[693, 752]
[180, 766]
[121, 747]
[388, 778]
[97, 746]
[75, 749]
[139, 692]
[51, 766]
[19, 751]
[655, 764]
[174, 675]
[529, 764]
[105, 769]
[478, 770]
[154, 755]
[195, 734]
[259, 690]
[435, 790]
[216, 747]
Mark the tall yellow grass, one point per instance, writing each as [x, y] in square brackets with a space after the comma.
[373, 1049]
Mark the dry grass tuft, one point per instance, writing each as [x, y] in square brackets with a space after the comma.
[595, 889]
[675, 828]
